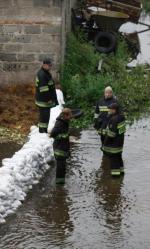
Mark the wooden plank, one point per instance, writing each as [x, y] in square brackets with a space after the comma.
[130, 7]
[136, 3]
[125, 5]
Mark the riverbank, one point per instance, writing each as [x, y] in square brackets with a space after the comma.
[11, 135]
[17, 112]
[83, 84]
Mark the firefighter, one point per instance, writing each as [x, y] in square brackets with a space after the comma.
[101, 112]
[61, 144]
[45, 94]
[114, 139]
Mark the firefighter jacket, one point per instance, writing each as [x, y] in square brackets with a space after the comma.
[114, 138]
[101, 114]
[60, 133]
[45, 90]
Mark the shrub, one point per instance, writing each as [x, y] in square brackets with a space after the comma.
[83, 85]
[146, 5]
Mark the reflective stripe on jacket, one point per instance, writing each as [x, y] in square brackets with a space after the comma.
[114, 137]
[60, 133]
[45, 90]
[101, 113]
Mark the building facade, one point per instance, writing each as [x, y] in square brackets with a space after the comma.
[29, 31]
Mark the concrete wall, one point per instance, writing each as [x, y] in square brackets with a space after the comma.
[29, 31]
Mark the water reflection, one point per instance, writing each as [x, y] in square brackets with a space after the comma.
[109, 198]
[54, 210]
[92, 210]
[43, 222]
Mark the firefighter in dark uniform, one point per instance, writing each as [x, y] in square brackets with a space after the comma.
[61, 144]
[101, 112]
[45, 94]
[114, 139]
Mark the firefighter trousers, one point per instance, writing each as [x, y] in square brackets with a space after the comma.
[61, 168]
[116, 163]
[102, 139]
[44, 116]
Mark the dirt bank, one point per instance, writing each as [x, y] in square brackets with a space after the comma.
[17, 110]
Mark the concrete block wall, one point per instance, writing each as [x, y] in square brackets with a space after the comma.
[29, 31]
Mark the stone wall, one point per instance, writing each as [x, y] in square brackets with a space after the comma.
[29, 31]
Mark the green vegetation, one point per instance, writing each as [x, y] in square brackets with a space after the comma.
[146, 5]
[11, 135]
[83, 85]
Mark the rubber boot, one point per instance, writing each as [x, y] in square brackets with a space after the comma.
[60, 180]
[61, 171]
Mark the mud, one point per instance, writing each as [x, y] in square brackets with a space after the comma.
[7, 149]
[17, 107]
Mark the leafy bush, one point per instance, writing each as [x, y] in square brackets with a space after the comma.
[83, 85]
[146, 5]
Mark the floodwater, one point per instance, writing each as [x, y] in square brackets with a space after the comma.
[92, 210]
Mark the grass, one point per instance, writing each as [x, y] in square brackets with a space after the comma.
[83, 85]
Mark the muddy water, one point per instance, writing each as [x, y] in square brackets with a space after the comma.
[91, 210]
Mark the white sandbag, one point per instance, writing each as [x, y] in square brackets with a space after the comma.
[55, 111]
[19, 173]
